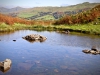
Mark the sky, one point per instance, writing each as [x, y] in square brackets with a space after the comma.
[41, 3]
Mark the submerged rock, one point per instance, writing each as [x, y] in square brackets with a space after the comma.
[34, 37]
[25, 66]
[5, 65]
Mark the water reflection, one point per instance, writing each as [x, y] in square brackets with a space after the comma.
[60, 54]
[57, 38]
[32, 41]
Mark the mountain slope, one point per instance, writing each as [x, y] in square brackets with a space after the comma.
[12, 10]
[81, 18]
[56, 12]
[41, 12]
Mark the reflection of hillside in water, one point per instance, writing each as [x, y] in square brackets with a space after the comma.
[79, 39]
[32, 41]
[72, 39]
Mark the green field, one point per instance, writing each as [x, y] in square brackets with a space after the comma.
[46, 17]
[25, 15]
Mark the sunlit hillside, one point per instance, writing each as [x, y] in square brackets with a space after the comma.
[39, 13]
[55, 12]
[10, 20]
[81, 18]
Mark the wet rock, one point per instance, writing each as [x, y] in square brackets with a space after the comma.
[14, 40]
[67, 32]
[92, 51]
[86, 51]
[94, 48]
[34, 37]
[5, 65]
[95, 52]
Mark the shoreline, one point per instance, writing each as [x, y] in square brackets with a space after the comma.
[86, 29]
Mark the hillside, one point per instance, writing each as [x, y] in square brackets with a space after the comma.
[12, 10]
[55, 12]
[11, 20]
[8, 20]
[47, 13]
[81, 18]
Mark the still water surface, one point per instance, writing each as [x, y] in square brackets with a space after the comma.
[60, 54]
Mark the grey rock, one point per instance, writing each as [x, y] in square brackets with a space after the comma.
[91, 51]
[86, 51]
[34, 37]
[94, 48]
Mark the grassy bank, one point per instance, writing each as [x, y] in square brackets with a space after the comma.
[88, 29]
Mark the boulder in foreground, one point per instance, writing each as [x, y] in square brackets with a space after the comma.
[5, 65]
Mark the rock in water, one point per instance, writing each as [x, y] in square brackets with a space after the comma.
[14, 40]
[91, 51]
[5, 65]
[94, 48]
[86, 51]
[34, 37]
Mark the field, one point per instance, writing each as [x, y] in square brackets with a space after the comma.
[46, 17]
[25, 15]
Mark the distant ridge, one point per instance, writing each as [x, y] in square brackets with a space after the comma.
[47, 13]
[11, 10]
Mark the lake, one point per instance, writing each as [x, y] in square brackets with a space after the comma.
[60, 54]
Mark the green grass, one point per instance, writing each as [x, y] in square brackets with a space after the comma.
[93, 29]
[86, 28]
[46, 17]
[4, 27]
[25, 15]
